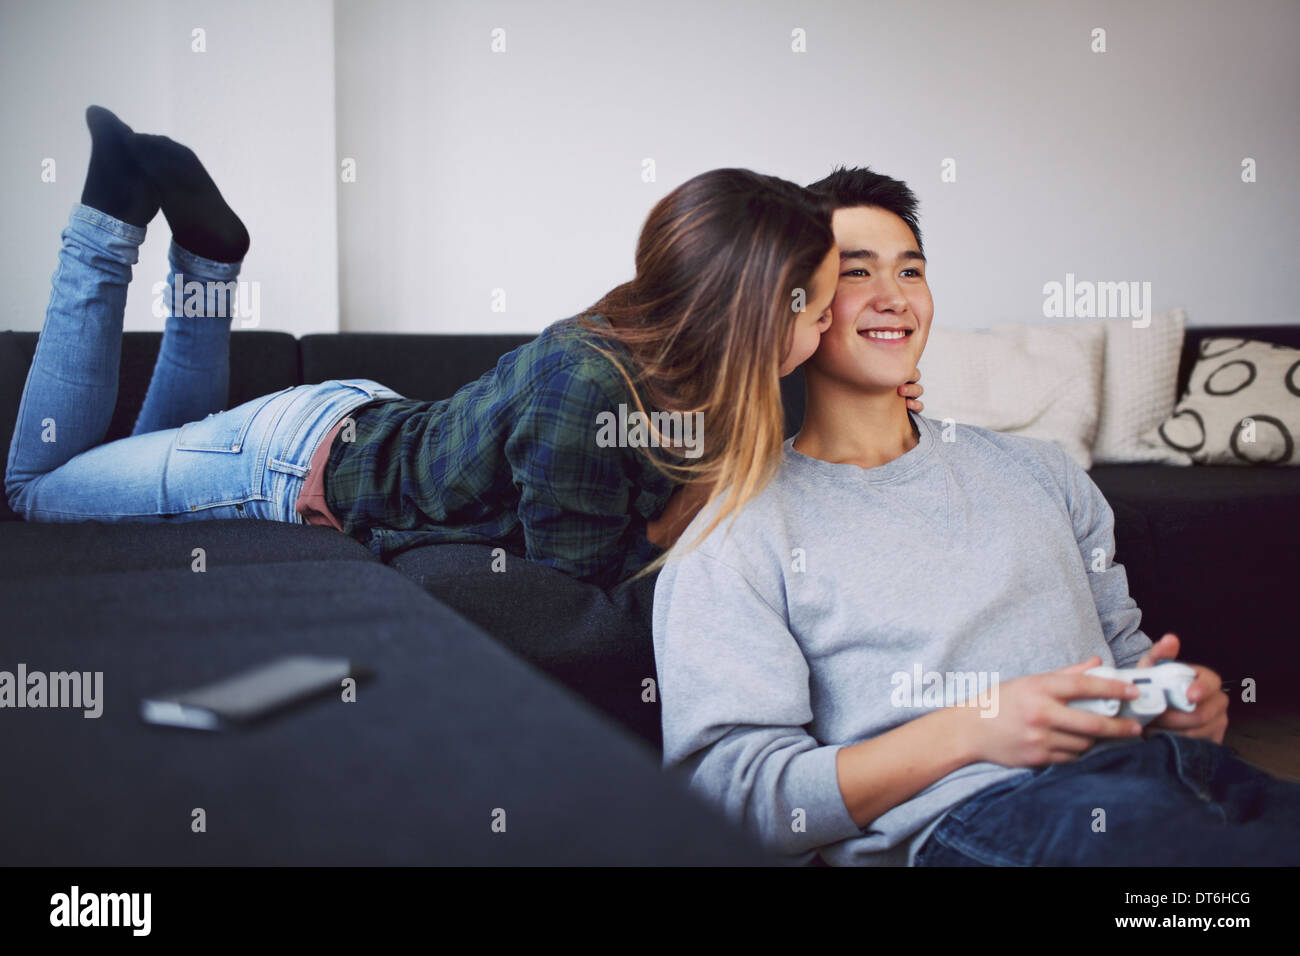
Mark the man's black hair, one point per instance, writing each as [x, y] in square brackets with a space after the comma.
[845, 188]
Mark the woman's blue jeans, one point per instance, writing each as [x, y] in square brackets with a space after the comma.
[186, 459]
[1168, 800]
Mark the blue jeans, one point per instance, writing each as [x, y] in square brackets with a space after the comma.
[1168, 800]
[186, 459]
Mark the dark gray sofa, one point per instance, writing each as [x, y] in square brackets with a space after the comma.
[455, 727]
[521, 690]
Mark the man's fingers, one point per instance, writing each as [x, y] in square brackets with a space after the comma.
[1166, 648]
[1084, 723]
[1206, 685]
[1206, 713]
[1077, 686]
[1073, 743]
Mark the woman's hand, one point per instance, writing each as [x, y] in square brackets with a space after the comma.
[912, 392]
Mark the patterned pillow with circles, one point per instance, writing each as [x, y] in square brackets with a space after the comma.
[1241, 407]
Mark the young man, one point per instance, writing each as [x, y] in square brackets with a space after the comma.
[874, 663]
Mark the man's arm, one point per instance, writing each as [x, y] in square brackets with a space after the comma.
[1094, 529]
[734, 691]
[877, 775]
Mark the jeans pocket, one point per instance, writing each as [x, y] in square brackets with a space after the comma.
[982, 800]
[224, 431]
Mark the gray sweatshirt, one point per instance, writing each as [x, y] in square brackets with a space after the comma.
[844, 602]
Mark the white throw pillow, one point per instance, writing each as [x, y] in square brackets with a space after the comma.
[1041, 381]
[1139, 386]
[1242, 406]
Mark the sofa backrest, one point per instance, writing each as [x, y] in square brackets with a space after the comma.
[422, 366]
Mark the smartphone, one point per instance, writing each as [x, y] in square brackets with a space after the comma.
[250, 695]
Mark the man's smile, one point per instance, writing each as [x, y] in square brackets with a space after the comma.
[886, 334]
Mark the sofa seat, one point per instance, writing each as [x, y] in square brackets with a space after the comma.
[597, 643]
[452, 727]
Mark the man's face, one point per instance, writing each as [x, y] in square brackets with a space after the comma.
[882, 309]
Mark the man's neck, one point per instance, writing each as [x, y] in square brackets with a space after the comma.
[847, 426]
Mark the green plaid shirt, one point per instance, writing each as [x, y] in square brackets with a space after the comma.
[509, 460]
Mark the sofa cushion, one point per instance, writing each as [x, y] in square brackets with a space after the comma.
[1241, 407]
[1040, 381]
[29, 548]
[1139, 385]
[1288, 335]
[452, 731]
[595, 642]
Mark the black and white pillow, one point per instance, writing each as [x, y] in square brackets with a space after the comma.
[1241, 407]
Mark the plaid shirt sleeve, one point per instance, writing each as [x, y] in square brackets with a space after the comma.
[574, 494]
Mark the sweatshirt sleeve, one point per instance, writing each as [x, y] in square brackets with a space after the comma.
[1094, 529]
[734, 694]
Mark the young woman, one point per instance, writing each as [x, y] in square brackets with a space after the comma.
[735, 273]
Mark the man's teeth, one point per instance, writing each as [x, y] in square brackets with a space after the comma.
[886, 334]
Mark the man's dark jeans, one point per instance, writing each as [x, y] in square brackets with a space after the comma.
[1168, 800]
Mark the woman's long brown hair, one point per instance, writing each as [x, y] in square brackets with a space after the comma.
[723, 268]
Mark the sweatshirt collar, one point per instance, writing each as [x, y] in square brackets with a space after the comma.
[904, 464]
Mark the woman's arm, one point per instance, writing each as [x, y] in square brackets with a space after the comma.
[682, 507]
[573, 491]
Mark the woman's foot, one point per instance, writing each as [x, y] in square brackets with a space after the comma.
[201, 221]
[115, 182]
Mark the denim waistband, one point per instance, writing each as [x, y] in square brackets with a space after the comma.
[313, 411]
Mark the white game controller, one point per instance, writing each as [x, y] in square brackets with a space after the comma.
[1164, 684]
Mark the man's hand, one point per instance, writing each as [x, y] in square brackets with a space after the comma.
[913, 392]
[1210, 718]
[1035, 725]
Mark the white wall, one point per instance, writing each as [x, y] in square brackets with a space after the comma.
[522, 170]
[257, 108]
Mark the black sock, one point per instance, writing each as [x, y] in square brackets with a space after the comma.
[201, 221]
[115, 183]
